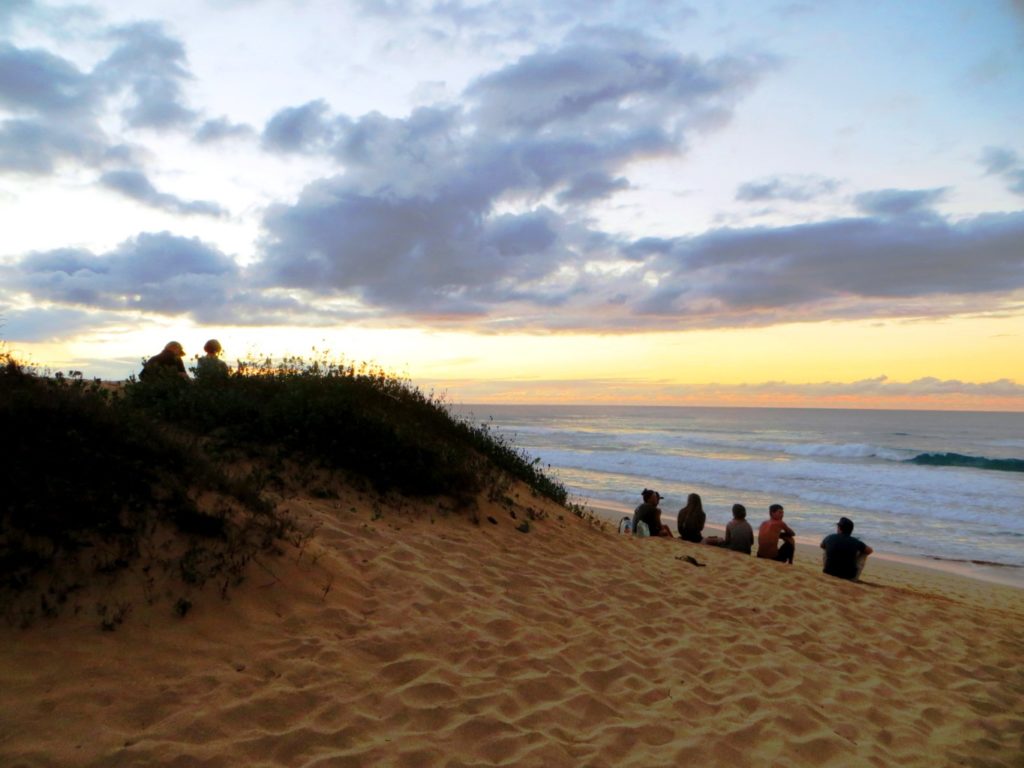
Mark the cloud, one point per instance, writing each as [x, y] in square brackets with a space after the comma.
[492, 26]
[1004, 162]
[35, 146]
[47, 324]
[28, 14]
[472, 211]
[417, 254]
[160, 273]
[592, 185]
[222, 129]
[416, 223]
[899, 202]
[154, 273]
[38, 82]
[298, 129]
[479, 211]
[152, 66]
[837, 266]
[797, 189]
[54, 108]
[137, 186]
[12, 9]
[877, 391]
[51, 108]
[601, 82]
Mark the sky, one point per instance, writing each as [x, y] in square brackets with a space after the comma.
[774, 203]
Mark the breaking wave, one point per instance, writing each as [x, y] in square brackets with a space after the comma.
[971, 462]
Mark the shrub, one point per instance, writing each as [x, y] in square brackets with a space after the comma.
[87, 478]
[358, 419]
[88, 470]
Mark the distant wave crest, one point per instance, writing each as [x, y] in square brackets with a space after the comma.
[974, 462]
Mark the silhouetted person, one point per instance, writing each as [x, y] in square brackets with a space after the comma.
[167, 365]
[691, 519]
[649, 513]
[210, 367]
[739, 536]
[844, 555]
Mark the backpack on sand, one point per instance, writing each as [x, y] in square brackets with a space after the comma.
[642, 529]
[626, 525]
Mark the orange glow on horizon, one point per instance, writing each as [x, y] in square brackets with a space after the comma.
[965, 364]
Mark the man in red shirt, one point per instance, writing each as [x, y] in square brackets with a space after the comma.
[769, 534]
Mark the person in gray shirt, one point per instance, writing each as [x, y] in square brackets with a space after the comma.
[739, 536]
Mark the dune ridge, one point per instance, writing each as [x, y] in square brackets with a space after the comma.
[402, 634]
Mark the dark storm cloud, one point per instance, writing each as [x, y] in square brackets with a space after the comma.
[413, 225]
[1004, 162]
[136, 185]
[794, 189]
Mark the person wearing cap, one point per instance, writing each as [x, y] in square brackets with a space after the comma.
[648, 512]
[771, 532]
[210, 367]
[844, 555]
[166, 365]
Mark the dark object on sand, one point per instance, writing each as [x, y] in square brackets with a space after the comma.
[691, 560]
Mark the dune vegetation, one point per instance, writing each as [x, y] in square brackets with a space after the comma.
[181, 481]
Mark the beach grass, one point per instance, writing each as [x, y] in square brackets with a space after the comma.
[93, 475]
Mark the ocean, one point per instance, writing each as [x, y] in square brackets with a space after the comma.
[946, 485]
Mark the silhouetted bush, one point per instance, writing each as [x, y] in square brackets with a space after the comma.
[86, 477]
[83, 465]
[358, 419]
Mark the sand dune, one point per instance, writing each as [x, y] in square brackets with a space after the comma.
[422, 639]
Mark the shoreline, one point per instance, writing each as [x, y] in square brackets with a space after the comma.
[990, 573]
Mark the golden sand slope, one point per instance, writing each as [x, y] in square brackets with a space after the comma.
[413, 641]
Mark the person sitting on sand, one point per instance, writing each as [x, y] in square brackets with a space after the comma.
[739, 536]
[691, 519]
[210, 367]
[769, 534]
[166, 365]
[650, 514]
[844, 555]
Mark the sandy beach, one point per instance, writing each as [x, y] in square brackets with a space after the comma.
[404, 633]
